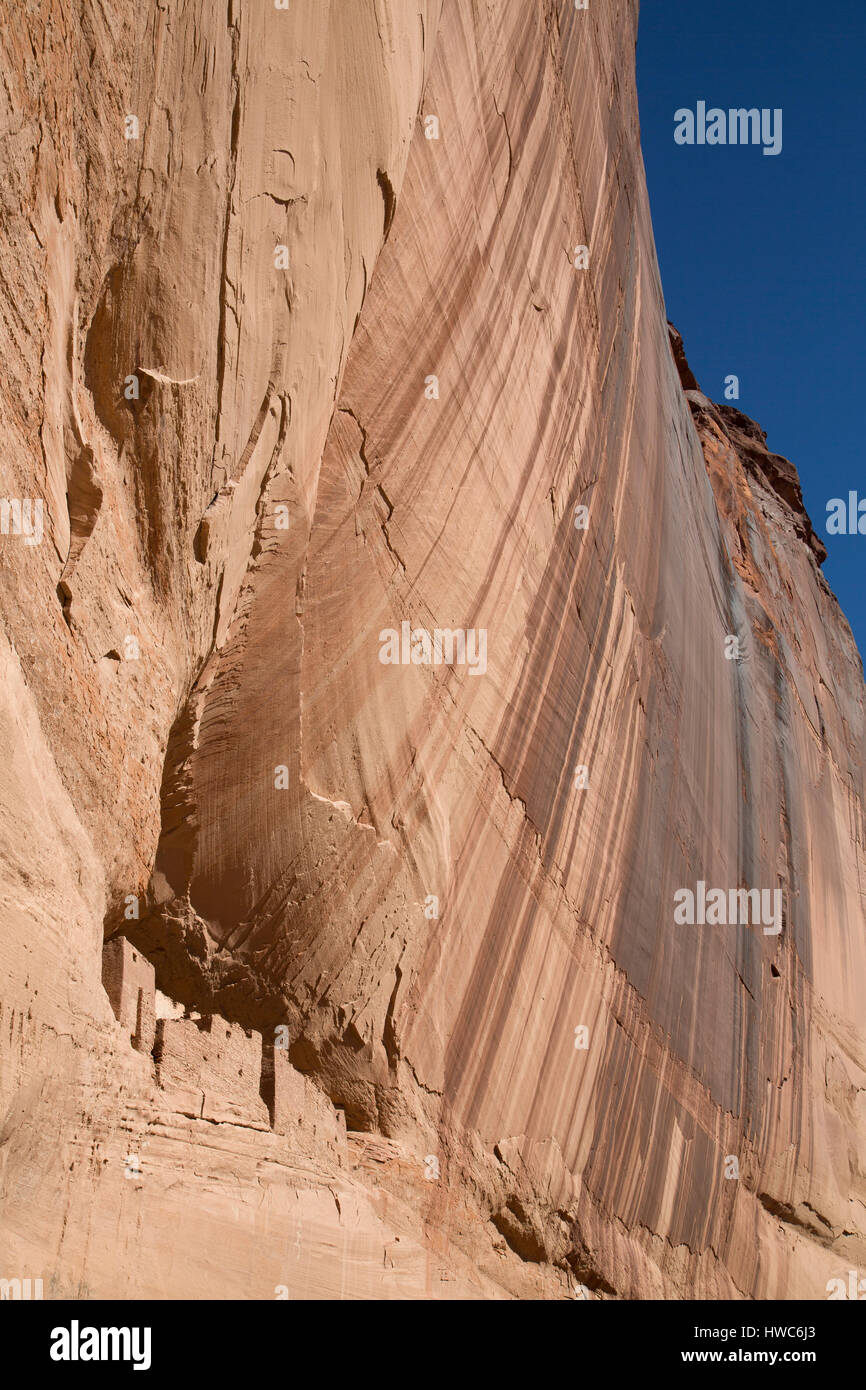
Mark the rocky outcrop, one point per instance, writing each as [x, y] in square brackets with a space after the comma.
[407, 635]
[749, 443]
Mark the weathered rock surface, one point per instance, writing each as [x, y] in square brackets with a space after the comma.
[218, 341]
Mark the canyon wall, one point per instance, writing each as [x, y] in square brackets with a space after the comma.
[325, 328]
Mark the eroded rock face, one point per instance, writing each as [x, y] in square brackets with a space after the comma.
[298, 372]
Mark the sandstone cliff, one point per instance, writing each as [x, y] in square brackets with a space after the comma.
[299, 345]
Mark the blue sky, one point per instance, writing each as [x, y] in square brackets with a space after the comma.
[762, 258]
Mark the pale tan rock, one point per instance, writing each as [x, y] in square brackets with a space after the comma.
[202, 750]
